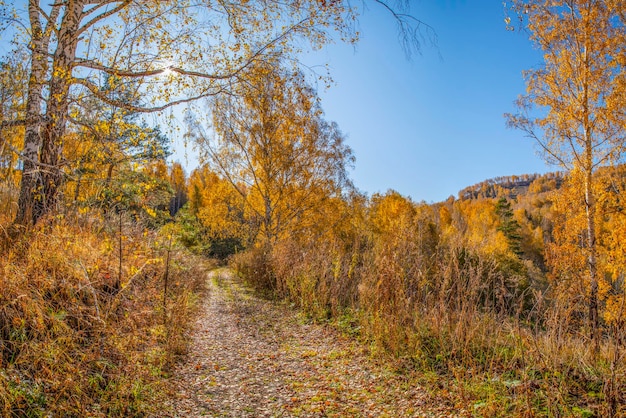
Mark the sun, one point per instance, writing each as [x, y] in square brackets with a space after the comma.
[167, 69]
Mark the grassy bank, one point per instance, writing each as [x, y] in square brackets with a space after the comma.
[455, 320]
[93, 313]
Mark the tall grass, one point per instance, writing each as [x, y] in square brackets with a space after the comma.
[486, 323]
[81, 318]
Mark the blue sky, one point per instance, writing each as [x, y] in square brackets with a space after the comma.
[433, 125]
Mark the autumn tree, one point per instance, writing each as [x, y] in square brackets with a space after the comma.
[163, 53]
[104, 142]
[218, 211]
[271, 142]
[574, 102]
[116, 135]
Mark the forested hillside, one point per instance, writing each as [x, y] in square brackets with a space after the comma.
[513, 186]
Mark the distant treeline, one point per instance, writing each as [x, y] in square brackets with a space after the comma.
[512, 186]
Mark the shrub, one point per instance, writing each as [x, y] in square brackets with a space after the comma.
[82, 323]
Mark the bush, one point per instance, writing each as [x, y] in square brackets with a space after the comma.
[76, 338]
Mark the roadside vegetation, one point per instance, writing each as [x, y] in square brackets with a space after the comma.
[91, 321]
[454, 294]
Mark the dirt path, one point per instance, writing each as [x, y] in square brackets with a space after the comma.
[253, 358]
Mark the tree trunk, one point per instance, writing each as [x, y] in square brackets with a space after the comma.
[30, 200]
[43, 146]
[590, 204]
[30, 195]
[29, 186]
[590, 211]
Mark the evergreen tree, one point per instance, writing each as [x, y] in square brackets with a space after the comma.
[509, 225]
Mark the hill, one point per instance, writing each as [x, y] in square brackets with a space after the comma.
[513, 186]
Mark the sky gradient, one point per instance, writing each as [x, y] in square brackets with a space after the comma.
[430, 126]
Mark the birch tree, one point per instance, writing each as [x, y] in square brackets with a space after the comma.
[574, 103]
[271, 142]
[13, 79]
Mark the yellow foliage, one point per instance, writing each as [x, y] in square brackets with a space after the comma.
[478, 223]
[615, 310]
[567, 256]
[274, 147]
[391, 213]
[216, 203]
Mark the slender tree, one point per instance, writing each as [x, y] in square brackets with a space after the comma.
[272, 143]
[574, 102]
[509, 225]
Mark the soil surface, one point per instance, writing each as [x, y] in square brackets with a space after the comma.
[252, 357]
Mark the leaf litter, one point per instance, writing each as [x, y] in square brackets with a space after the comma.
[251, 357]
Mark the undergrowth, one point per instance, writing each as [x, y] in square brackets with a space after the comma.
[452, 329]
[93, 314]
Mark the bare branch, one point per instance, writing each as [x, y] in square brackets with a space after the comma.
[98, 4]
[230, 75]
[151, 73]
[32, 161]
[141, 109]
[102, 16]
[409, 29]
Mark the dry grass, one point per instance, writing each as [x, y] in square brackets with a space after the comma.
[76, 339]
[473, 329]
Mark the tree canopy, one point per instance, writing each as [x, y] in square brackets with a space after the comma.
[146, 56]
[574, 102]
[270, 140]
